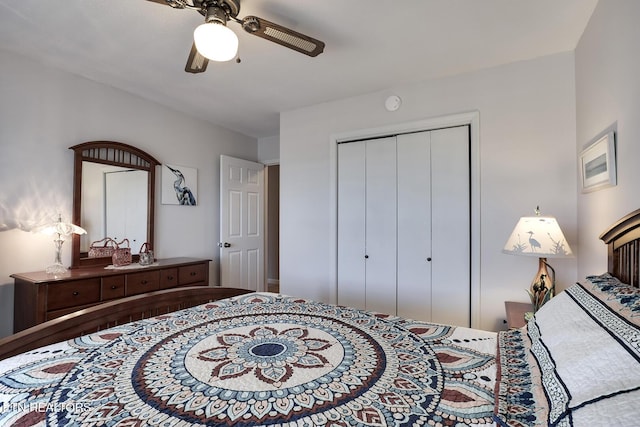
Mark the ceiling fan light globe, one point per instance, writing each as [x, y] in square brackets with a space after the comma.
[216, 42]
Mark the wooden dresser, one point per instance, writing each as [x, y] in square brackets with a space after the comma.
[39, 296]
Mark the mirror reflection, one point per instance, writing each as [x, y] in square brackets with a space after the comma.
[114, 204]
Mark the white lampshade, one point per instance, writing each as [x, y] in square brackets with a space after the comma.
[215, 41]
[62, 229]
[538, 236]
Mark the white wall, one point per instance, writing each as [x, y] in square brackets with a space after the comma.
[269, 150]
[527, 158]
[43, 111]
[608, 93]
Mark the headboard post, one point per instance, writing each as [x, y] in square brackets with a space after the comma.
[623, 248]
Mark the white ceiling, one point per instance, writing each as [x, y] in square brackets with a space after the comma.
[371, 45]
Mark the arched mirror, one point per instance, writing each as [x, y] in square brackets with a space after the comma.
[113, 196]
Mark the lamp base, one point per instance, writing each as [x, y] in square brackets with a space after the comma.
[56, 269]
[543, 285]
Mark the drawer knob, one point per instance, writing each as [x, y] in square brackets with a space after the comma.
[170, 277]
[76, 293]
[193, 273]
[114, 287]
[144, 282]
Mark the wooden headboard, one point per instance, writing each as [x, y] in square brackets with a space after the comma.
[623, 242]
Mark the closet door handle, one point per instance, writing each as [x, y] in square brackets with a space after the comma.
[429, 259]
[366, 257]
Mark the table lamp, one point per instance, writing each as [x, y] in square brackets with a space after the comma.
[60, 230]
[541, 237]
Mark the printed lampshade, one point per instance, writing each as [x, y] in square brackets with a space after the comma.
[538, 236]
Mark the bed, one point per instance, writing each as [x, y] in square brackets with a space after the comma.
[234, 358]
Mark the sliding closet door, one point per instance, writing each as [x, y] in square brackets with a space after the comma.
[351, 224]
[380, 239]
[414, 226]
[451, 227]
[367, 225]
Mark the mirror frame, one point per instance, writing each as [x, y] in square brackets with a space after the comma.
[115, 154]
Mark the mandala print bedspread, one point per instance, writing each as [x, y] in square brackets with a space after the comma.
[258, 359]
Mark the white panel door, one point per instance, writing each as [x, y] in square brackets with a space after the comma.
[351, 224]
[380, 239]
[450, 224]
[241, 223]
[414, 226]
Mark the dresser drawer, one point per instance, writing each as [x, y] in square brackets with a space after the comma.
[138, 283]
[189, 274]
[112, 287]
[168, 278]
[73, 293]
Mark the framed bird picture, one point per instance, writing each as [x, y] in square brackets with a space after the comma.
[179, 185]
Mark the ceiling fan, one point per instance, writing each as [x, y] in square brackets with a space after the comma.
[217, 13]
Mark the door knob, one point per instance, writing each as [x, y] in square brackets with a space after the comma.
[224, 245]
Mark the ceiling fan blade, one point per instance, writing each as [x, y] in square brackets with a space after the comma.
[196, 62]
[282, 35]
[178, 4]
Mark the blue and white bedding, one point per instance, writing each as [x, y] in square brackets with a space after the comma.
[267, 359]
[577, 362]
[257, 359]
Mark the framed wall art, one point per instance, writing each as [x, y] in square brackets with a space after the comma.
[179, 185]
[598, 163]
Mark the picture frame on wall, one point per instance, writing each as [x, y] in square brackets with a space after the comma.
[179, 185]
[598, 164]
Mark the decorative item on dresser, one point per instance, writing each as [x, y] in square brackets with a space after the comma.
[39, 296]
[146, 254]
[122, 254]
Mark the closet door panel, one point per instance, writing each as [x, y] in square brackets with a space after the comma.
[414, 226]
[451, 252]
[380, 239]
[351, 224]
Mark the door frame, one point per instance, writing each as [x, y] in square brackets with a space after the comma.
[472, 119]
[268, 237]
